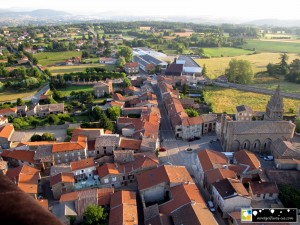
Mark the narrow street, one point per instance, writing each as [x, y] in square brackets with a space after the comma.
[176, 153]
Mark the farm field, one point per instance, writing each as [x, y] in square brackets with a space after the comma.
[50, 58]
[225, 100]
[216, 66]
[76, 68]
[272, 46]
[271, 83]
[217, 52]
[67, 91]
[7, 96]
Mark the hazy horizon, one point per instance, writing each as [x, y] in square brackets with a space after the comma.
[231, 9]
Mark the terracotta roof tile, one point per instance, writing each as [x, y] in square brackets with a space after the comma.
[43, 203]
[219, 174]
[72, 196]
[81, 164]
[263, 187]
[247, 158]
[163, 174]
[23, 155]
[6, 131]
[8, 110]
[106, 169]
[131, 144]
[210, 159]
[62, 177]
[104, 195]
[28, 183]
[230, 187]
[68, 146]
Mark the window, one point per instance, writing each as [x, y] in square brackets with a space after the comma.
[106, 180]
[78, 153]
[66, 155]
[58, 161]
[114, 179]
[82, 171]
[98, 152]
[104, 147]
[66, 160]
[72, 153]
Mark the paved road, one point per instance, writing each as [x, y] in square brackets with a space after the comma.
[35, 98]
[176, 153]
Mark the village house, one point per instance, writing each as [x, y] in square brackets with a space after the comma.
[62, 183]
[230, 195]
[129, 144]
[252, 163]
[243, 112]
[19, 157]
[110, 61]
[209, 160]
[101, 89]
[131, 68]
[123, 208]
[123, 174]
[209, 123]
[9, 112]
[3, 120]
[83, 169]
[106, 144]
[21, 110]
[263, 190]
[65, 152]
[44, 110]
[287, 164]
[282, 149]
[26, 178]
[6, 132]
[123, 156]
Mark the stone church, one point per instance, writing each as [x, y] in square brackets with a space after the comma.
[256, 135]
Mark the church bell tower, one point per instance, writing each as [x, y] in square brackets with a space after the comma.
[275, 107]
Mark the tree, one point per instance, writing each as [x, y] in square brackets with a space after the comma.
[297, 122]
[48, 137]
[35, 61]
[289, 195]
[191, 112]
[294, 73]
[184, 89]
[239, 71]
[114, 113]
[126, 52]
[20, 102]
[36, 137]
[284, 67]
[97, 113]
[95, 215]
[121, 62]
[204, 71]
[53, 119]
[126, 82]
[85, 54]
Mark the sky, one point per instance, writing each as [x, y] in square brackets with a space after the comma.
[240, 9]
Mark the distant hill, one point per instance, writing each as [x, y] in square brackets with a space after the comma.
[275, 23]
[39, 13]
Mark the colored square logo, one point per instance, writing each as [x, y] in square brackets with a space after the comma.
[246, 215]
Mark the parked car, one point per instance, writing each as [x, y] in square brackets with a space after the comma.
[269, 158]
[211, 206]
[189, 150]
[162, 149]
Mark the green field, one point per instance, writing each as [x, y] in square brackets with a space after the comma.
[216, 66]
[50, 58]
[76, 68]
[225, 100]
[67, 91]
[272, 46]
[218, 52]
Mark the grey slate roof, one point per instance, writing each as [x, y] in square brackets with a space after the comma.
[107, 140]
[209, 117]
[243, 108]
[261, 127]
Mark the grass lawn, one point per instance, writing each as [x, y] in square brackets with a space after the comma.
[50, 58]
[77, 68]
[216, 66]
[7, 96]
[67, 91]
[217, 52]
[225, 100]
[272, 46]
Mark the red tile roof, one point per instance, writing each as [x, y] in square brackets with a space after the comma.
[68, 146]
[132, 64]
[191, 121]
[247, 158]
[23, 155]
[219, 174]
[106, 169]
[8, 110]
[131, 144]
[210, 159]
[263, 187]
[104, 195]
[123, 209]
[6, 131]
[82, 164]
[43, 203]
[163, 174]
[62, 177]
